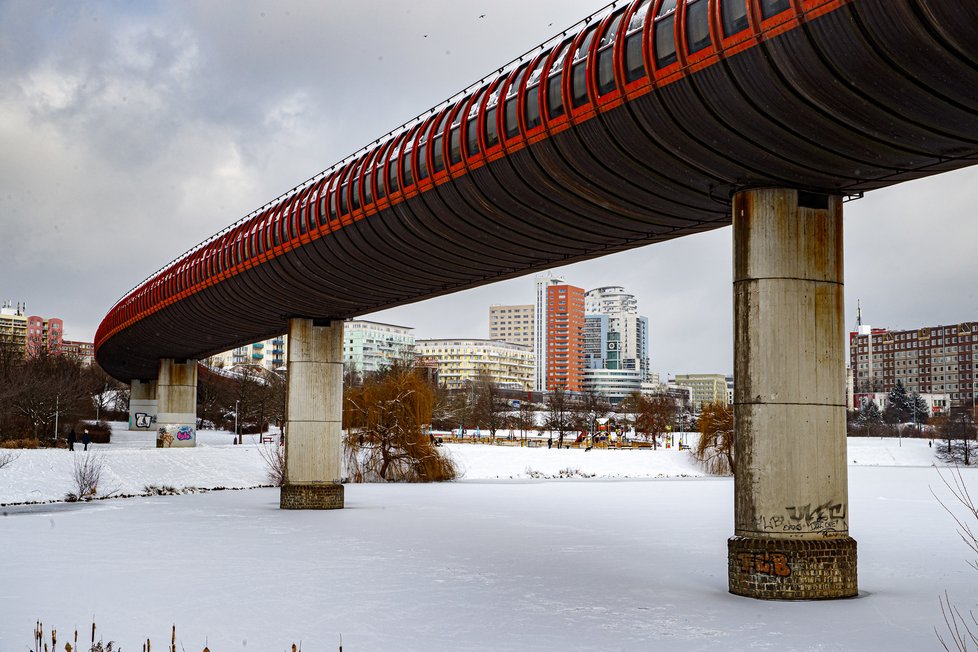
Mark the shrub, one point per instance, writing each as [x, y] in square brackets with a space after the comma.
[274, 456]
[98, 433]
[86, 475]
[385, 440]
[715, 448]
[21, 443]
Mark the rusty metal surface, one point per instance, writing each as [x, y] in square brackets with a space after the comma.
[872, 93]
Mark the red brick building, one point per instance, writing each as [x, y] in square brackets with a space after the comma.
[565, 337]
[933, 359]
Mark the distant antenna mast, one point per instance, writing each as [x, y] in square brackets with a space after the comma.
[859, 314]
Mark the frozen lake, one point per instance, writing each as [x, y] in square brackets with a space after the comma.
[597, 564]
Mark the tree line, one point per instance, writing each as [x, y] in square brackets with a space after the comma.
[43, 397]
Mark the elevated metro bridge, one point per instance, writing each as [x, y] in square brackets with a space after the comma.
[650, 120]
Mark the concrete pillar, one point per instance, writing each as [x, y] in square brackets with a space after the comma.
[791, 488]
[176, 399]
[314, 416]
[142, 405]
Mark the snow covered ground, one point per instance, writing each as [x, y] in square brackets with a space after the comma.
[631, 559]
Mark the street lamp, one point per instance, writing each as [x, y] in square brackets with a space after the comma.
[237, 439]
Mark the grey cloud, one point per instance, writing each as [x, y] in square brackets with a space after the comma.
[130, 131]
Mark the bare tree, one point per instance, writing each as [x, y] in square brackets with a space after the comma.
[558, 412]
[489, 409]
[525, 418]
[958, 431]
[653, 416]
[962, 629]
[7, 458]
[715, 448]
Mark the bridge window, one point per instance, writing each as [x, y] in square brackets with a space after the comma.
[262, 238]
[733, 15]
[510, 116]
[368, 195]
[606, 56]
[634, 61]
[579, 70]
[331, 200]
[355, 192]
[276, 237]
[697, 25]
[316, 206]
[344, 199]
[295, 213]
[392, 168]
[773, 7]
[531, 102]
[381, 182]
[423, 156]
[472, 126]
[489, 130]
[555, 98]
[437, 142]
[254, 236]
[455, 135]
[323, 208]
[406, 161]
[665, 37]
[303, 213]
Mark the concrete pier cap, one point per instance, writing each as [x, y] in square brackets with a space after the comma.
[314, 416]
[791, 539]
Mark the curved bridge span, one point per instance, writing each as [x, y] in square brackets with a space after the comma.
[651, 120]
[635, 128]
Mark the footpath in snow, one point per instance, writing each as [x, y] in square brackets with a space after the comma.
[132, 463]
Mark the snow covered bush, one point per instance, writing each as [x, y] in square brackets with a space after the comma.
[385, 439]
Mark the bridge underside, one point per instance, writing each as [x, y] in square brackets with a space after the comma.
[859, 99]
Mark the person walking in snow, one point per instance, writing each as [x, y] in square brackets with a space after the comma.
[86, 439]
[71, 440]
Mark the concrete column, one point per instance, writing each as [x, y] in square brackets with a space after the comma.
[142, 405]
[791, 488]
[314, 416]
[176, 399]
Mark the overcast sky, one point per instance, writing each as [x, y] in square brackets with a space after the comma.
[129, 131]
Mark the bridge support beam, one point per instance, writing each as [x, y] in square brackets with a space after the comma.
[176, 402]
[314, 416]
[791, 488]
[142, 405]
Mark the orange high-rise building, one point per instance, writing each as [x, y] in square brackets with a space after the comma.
[565, 337]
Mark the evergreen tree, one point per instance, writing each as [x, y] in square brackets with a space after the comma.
[901, 403]
[919, 405]
[870, 414]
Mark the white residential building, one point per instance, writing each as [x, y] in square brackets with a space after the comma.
[466, 360]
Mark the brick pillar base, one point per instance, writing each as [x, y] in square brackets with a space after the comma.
[324, 495]
[792, 569]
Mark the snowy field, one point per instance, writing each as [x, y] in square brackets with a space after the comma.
[633, 558]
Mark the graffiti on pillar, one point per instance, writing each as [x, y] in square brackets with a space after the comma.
[144, 420]
[163, 438]
[185, 433]
[773, 564]
[824, 519]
